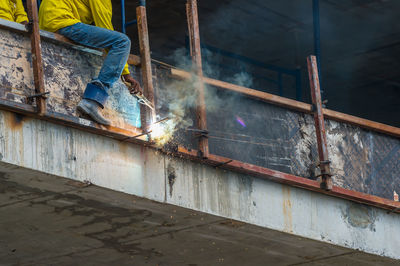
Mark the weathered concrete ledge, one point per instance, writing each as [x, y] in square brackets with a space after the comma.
[145, 172]
[48, 220]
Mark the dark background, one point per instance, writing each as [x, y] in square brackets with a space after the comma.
[360, 43]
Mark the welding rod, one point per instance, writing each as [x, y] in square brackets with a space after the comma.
[162, 120]
[137, 136]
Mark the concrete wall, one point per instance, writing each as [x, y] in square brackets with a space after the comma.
[144, 172]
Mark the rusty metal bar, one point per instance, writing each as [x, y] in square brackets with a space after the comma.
[37, 63]
[291, 180]
[324, 163]
[147, 116]
[292, 104]
[195, 51]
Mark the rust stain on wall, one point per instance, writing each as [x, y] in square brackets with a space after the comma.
[287, 210]
[14, 121]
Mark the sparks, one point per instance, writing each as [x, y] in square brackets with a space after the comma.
[157, 131]
[162, 131]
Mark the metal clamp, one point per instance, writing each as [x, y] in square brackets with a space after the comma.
[324, 162]
[43, 95]
[324, 174]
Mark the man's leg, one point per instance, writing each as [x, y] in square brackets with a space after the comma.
[118, 45]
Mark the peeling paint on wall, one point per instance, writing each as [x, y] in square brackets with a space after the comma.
[66, 71]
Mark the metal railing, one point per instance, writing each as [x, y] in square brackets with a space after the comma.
[206, 157]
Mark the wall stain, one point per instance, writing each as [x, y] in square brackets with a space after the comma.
[171, 174]
[287, 209]
[14, 121]
[360, 216]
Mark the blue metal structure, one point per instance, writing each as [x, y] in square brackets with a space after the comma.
[125, 24]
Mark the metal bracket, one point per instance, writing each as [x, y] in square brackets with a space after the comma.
[313, 108]
[324, 162]
[29, 99]
[324, 174]
[224, 163]
[137, 136]
[199, 133]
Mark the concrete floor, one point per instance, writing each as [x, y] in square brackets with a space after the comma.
[47, 220]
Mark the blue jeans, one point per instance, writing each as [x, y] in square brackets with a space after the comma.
[118, 45]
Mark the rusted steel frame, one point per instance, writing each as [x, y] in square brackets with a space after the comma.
[147, 115]
[195, 51]
[37, 63]
[293, 105]
[361, 122]
[255, 94]
[213, 160]
[319, 122]
[291, 180]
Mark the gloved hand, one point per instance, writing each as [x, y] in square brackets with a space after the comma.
[134, 87]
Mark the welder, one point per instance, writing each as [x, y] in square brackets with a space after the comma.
[13, 10]
[88, 22]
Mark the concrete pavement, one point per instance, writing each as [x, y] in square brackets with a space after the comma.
[48, 220]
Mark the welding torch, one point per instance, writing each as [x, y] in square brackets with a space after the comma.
[139, 96]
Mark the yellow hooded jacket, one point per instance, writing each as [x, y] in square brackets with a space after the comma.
[57, 14]
[13, 10]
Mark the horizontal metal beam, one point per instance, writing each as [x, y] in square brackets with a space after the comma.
[292, 180]
[266, 97]
[293, 104]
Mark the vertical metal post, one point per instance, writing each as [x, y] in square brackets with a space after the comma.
[36, 55]
[324, 163]
[195, 51]
[148, 115]
[123, 19]
[317, 35]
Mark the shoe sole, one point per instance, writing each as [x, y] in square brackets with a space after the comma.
[86, 112]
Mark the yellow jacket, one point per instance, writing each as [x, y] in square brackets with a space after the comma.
[13, 10]
[57, 14]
